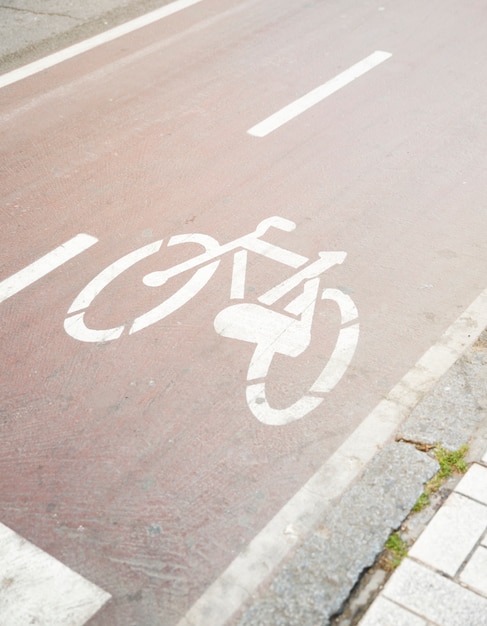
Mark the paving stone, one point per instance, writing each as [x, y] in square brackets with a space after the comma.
[435, 597]
[383, 612]
[451, 414]
[474, 483]
[452, 534]
[475, 573]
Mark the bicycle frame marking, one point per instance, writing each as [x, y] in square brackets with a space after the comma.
[251, 242]
[287, 333]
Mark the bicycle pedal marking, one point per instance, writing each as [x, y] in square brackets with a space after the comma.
[287, 333]
[177, 300]
[156, 279]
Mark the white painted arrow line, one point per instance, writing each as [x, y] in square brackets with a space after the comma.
[304, 103]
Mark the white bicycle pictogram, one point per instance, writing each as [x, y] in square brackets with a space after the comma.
[286, 332]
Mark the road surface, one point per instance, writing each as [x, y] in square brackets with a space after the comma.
[140, 451]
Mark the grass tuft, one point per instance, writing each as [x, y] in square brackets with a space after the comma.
[396, 550]
[421, 503]
[450, 462]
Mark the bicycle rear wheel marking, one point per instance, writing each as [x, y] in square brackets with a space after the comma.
[257, 402]
[327, 380]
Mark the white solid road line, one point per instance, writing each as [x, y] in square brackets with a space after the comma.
[304, 103]
[38, 589]
[46, 264]
[94, 42]
[295, 520]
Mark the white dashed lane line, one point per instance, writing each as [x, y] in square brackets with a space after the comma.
[318, 94]
[46, 264]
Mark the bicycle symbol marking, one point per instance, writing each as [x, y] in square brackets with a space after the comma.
[287, 332]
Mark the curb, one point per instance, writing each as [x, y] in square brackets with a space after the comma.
[315, 582]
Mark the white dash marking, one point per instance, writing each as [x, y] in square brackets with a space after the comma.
[304, 103]
[94, 42]
[46, 264]
[36, 588]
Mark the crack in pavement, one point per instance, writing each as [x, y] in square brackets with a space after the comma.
[47, 13]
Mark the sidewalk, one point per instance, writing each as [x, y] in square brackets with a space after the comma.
[443, 580]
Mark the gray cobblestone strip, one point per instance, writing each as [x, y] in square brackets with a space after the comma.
[317, 579]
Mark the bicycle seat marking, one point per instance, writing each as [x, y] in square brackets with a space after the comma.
[286, 332]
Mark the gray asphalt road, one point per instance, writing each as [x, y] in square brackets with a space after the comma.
[30, 29]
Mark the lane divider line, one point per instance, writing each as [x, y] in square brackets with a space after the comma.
[36, 588]
[318, 94]
[46, 264]
[93, 42]
[256, 563]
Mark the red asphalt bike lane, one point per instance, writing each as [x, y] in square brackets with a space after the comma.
[137, 461]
